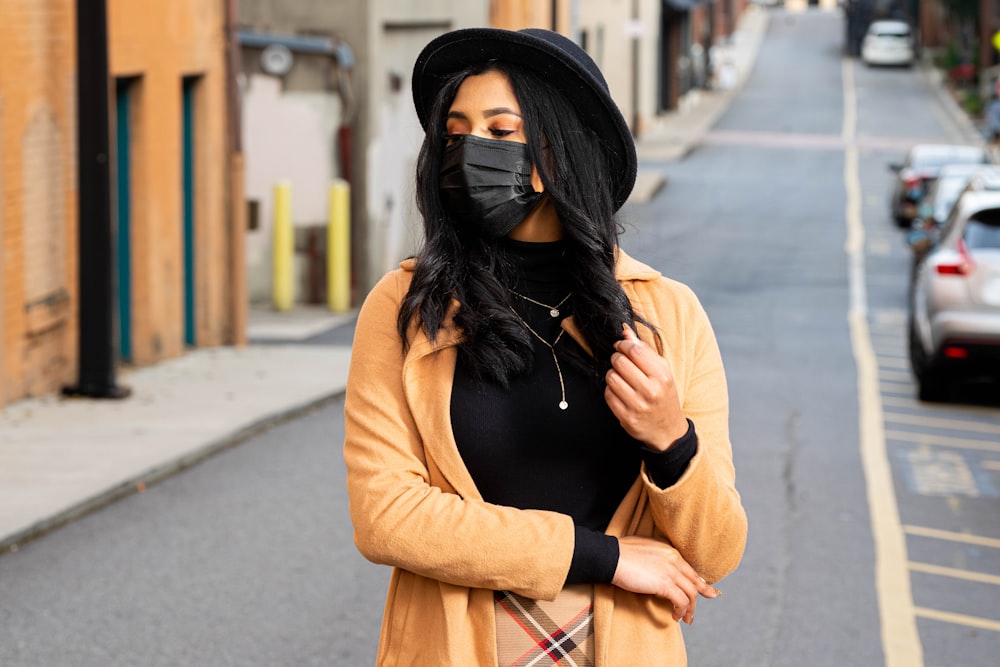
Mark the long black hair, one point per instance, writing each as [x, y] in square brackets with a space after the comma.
[453, 263]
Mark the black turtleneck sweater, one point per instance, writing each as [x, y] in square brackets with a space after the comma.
[523, 451]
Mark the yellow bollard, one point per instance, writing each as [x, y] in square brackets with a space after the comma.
[338, 248]
[283, 281]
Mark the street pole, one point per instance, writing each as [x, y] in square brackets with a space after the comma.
[97, 340]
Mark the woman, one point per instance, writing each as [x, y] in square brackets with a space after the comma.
[537, 424]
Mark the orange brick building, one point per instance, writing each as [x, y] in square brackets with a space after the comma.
[179, 239]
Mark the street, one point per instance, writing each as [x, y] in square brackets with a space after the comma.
[874, 518]
[780, 223]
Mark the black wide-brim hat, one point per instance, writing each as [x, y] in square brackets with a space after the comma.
[557, 60]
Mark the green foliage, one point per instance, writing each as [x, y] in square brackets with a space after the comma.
[973, 103]
[952, 57]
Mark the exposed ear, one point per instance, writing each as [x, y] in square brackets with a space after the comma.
[536, 180]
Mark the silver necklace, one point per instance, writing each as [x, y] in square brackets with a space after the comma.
[552, 348]
[553, 310]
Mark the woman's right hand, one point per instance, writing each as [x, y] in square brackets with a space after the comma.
[653, 567]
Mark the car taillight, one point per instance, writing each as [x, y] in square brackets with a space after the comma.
[955, 352]
[963, 267]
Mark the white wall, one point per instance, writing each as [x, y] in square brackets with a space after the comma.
[610, 27]
[286, 136]
[398, 31]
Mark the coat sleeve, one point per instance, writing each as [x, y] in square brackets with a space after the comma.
[701, 514]
[404, 513]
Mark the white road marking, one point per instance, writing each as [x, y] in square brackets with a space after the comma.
[941, 473]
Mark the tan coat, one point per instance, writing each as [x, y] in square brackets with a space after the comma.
[415, 506]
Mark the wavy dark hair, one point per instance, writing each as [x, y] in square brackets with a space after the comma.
[456, 264]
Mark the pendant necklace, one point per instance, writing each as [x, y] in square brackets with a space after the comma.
[552, 348]
[553, 310]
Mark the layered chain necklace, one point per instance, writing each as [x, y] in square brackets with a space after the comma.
[554, 312]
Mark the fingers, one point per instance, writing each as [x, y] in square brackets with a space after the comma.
[640, 390]
[653, 567]
[641, 355]
[628, 383]
[684, 597]
[638, 375]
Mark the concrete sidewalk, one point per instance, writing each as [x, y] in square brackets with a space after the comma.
[673, 135]
[61, 458]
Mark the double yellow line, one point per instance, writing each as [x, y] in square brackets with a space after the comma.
[900, 639]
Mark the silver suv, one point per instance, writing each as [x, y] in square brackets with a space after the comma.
[954, 323]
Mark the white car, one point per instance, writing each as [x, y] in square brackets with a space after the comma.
[954, 324]
[888, 43]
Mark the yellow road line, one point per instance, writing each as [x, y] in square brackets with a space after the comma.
[952, 536]
[943, 422]
[942, 440]
[900, 639]
[958, 619]
[955, 573]
[990, 465]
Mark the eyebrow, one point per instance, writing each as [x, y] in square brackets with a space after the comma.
[488, 113]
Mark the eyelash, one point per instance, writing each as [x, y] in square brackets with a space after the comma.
[496, 132]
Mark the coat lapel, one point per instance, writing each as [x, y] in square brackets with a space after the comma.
[428, 377]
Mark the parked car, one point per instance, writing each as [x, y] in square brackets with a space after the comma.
[920, 169]
[934, 208]
[954, 319]
[887, 43]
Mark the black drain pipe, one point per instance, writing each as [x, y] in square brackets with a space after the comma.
[97, 336]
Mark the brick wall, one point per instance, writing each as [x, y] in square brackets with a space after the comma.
[38, 185]
[155, 43]
[159, 44]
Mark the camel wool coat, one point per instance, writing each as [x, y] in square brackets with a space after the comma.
[416, 508]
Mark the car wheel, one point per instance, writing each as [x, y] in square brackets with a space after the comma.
[933, 385]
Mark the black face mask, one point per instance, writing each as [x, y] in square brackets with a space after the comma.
[486, 183]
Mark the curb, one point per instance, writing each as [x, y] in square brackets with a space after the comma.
[963, 123]
[138, 483]
[663, 146]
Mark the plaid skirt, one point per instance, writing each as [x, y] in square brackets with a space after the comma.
[535, 633]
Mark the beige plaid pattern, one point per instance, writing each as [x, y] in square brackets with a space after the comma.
[534, 633]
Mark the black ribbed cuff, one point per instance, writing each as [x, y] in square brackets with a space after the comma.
[666, 467]
[595, 558]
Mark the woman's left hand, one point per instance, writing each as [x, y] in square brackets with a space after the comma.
[642, 395]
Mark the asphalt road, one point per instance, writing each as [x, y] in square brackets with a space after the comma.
[247, 558]
[867, 519]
